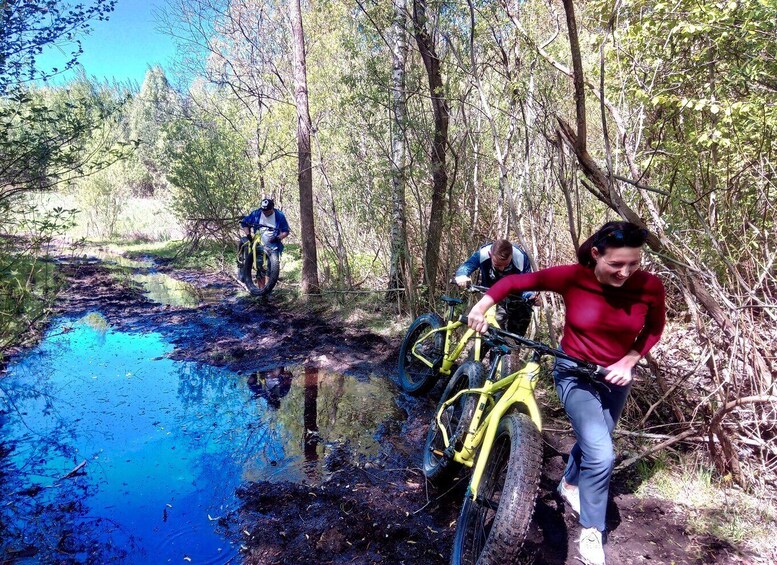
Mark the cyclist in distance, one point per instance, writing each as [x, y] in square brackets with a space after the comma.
[497, 260]
[265, 220]
[615, 314]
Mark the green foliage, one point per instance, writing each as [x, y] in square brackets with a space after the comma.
[48, 137]
[28, 26]
[27, 277]
[212, 177]
[706, 74]
[101, 198]
[150, 111]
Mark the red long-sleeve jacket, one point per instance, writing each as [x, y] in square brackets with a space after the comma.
[602, 322]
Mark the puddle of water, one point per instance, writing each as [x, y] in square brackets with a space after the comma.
[167, 290]
[115, 258]
[165, 443]
[157, 287]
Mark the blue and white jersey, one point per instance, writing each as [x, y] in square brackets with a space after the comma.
[481, 259]
[270, 226]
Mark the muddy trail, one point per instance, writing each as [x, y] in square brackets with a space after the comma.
[356, 509]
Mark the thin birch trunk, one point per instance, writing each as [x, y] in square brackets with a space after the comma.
[309, 282]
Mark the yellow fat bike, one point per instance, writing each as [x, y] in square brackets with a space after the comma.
[492, 425]
[432, 346]
[259, 262]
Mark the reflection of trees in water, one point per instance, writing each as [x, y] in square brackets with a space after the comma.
[264, 446]
[198, 382]
[42, 515]
[271, 385]
[30, 408]
[339, 409]
[351, 411]
[49, 520]
[310, 437]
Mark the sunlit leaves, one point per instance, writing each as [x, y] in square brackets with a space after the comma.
[49, 136]
[706, 75]
[30, 25]
[211, 172]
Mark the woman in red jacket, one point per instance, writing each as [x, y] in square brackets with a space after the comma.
[614, 314]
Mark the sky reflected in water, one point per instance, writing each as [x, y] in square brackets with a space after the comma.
[165, 443]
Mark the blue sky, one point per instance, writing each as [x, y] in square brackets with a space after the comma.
[122, 48]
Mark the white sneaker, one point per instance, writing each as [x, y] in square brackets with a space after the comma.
[591, 550]
[570, 495]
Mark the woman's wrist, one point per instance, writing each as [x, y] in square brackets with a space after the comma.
[632, 358]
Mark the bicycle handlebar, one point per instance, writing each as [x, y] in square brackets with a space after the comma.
[473, 288]
[498, 337]
[513, 299]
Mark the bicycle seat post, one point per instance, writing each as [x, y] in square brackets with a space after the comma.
[452, 303]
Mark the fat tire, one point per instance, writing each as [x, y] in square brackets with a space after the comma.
[273, 262]
[242, 249]
[244, 260]
[415, 377]
[493, 532]
[438, 469]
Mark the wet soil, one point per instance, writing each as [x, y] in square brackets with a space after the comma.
[366, 511]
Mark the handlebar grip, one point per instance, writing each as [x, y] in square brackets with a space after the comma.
[602, 371]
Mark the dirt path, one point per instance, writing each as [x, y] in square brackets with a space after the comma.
[377, 511]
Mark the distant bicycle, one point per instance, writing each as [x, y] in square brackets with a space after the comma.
[493, 425]
[259, 262]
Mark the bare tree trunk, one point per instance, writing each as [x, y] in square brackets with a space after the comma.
[439, 146]
[399, 269]
[309, 282]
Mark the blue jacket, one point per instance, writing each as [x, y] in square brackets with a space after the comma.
[256, 221]
[481, 259]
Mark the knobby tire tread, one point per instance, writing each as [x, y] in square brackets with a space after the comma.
[273, 261]
[515, 505]
[415, 377]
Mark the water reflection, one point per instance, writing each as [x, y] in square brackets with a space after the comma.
[271, 385]
[157, 287]
[165, 444]
[310, 435]
[166, 290]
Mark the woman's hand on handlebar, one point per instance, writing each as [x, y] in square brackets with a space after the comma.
[476, 318]
[620, 371]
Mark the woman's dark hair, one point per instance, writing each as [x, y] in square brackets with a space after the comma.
[611, 234]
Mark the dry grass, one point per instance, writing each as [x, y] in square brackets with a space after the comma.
[747, 521]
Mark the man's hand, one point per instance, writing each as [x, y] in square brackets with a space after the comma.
[463, 281]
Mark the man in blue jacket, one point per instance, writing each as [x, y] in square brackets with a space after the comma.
[496, 261]
[273, 228]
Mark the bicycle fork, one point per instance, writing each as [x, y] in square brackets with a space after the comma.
[520, 393]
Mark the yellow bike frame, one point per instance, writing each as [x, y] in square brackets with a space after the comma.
[482, 428]
[449, 356]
